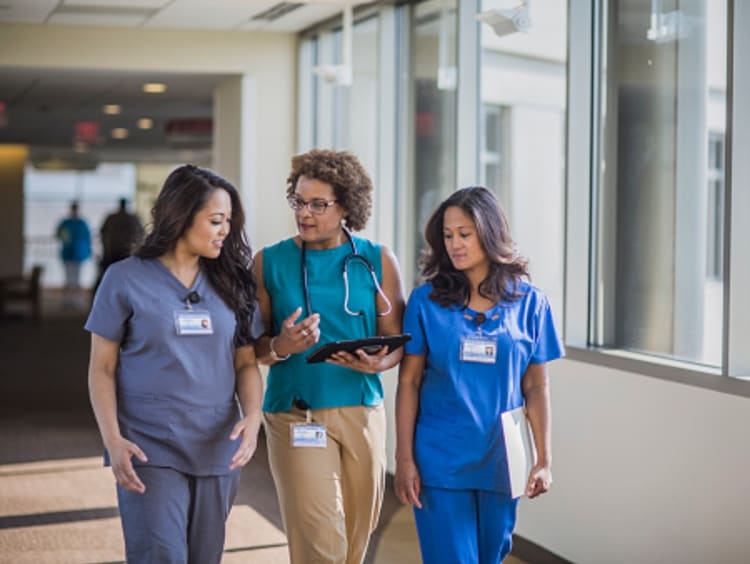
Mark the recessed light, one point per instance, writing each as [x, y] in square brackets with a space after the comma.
[145, 123]
[112, 109]
[119, 133]
[154, 87]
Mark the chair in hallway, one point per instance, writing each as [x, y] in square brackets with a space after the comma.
[24, 289]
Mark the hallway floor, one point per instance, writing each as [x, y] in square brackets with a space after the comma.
[57, 502]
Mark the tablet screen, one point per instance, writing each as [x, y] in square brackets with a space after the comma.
[370, 345]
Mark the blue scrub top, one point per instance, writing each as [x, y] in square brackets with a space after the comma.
[175, 393]
[458, 441]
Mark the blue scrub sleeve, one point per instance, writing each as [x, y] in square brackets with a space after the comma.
[413, 326]
[110, 309]
[548, 345]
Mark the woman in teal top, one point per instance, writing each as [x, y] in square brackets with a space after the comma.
[325, 422]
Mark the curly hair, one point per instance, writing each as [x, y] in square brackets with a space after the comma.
[451, 286]
[342, 170]
[184, 193]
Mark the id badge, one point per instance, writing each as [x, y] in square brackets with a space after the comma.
[193, 322]
[308, 435]
[479, 349]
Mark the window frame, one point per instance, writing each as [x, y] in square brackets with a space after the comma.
[585, 50]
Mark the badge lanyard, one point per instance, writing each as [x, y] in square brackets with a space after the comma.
[189, 321]
[479, 347]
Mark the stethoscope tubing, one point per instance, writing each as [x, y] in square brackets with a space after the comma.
[353, 256]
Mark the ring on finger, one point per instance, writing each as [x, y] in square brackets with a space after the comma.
[305, 333]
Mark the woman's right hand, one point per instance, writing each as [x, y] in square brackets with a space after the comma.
[407, 483]
[297, 337]
[120, 454]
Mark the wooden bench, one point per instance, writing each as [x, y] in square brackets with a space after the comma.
[24, 289]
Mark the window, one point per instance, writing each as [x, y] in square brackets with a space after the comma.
[715, 208]
[494, 158]
[434, 86]
[658, 203]
[522, 136]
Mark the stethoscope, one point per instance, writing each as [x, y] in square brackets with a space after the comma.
[353, 256]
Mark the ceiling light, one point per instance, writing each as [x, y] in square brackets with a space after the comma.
[112, 109]
[145, 123]
[154, 87]
[119, 133]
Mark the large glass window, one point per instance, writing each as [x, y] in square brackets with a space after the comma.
[522, 135]
[434, 83]
[659, 205]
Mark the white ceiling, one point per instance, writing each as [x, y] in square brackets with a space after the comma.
[238, 15]
[42, 107]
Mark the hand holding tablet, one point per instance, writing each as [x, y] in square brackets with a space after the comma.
[370, 345]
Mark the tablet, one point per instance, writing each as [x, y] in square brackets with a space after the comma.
[370, 345]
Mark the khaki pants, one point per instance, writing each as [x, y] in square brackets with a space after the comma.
[330, 497]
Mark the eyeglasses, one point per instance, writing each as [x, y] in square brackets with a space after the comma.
[316, 207]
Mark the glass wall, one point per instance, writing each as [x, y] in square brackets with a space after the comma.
[659, 214]
[522, 135]
[433, 81]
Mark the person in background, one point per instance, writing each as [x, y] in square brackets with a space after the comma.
[75, 236]
[120, 234]
[481, 340]
[173, 378]
[325, 422]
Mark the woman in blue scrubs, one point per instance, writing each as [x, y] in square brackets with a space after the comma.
[173, 378]
[481, 338]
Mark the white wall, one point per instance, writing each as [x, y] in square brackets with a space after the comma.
[645, 471]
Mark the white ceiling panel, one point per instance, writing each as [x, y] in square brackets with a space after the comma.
[295, 20]
[150, 4]
[26, 11]
[218, 14]
[119, 20]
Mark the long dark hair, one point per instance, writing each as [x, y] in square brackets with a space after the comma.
[184, 193]
[451, 286]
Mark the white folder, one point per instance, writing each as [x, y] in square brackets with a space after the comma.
[520, 451]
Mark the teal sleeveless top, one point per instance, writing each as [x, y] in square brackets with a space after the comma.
[322, 385]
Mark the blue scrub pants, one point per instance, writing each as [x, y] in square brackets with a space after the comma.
[179, 519]
[464, 526]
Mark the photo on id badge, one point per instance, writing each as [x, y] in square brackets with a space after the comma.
[479, 349]
[193, 322]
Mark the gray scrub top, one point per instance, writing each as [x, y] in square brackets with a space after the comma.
[175, 393]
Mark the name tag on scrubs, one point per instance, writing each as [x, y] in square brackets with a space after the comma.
[308, 435]
[479, 349]
[193, 322]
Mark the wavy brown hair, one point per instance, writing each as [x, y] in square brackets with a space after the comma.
[451, 286]
[184, 193]
[342, 170]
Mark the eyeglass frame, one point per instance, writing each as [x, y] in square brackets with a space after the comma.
[298, 204]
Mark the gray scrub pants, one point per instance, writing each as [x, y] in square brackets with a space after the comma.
[179, 519]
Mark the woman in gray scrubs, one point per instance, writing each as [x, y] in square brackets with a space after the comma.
[173, 377]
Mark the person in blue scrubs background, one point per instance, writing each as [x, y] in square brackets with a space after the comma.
[481, 338]
[173, 377]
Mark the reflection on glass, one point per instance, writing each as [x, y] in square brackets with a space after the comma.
[522, 135]
[660, 218]
[434, 55]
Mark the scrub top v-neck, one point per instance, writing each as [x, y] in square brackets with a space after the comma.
[175, 392]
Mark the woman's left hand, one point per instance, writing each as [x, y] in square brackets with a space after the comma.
[360, 360]
[539, 482]
[248, 428]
